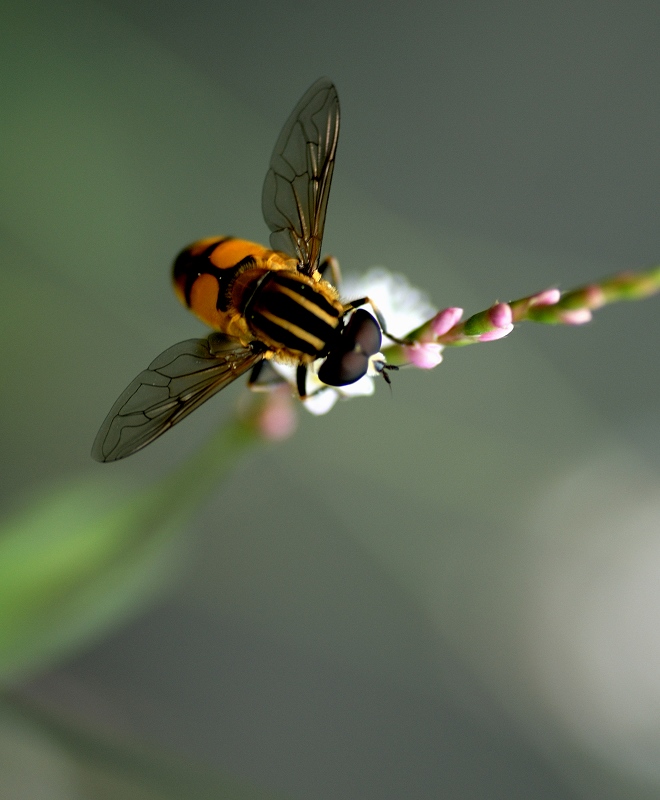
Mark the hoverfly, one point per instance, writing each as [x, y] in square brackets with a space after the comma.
[263, 304]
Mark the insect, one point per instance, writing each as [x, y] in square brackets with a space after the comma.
[262, 303]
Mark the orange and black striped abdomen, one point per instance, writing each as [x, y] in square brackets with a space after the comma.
[205, 279]
[220, 258]
[290, 312]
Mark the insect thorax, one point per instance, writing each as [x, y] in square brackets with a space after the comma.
[249, 292]
[297, 317]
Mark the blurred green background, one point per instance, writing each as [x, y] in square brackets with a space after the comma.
[450, 590]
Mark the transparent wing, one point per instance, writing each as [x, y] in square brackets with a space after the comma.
[297, 185]
[175, 384]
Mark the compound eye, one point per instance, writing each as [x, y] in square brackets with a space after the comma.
[362, 333]
[340, 369]
[349, 360]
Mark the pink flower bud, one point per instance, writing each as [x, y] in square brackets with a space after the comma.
[501, 317]
[277, 418]
[594, 296]
[497, 333]
[424, 356]
[576, 316]
[445, 320]
[546, 298]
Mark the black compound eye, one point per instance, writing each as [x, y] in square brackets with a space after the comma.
[340, 369]
[349, 359]
[362, 334]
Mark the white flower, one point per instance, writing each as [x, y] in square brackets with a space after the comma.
[321, 397]
[402, 306]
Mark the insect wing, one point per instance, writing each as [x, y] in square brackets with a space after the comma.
[176, 383]
[297, 185]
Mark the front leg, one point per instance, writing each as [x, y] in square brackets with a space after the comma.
[381, 319]
[331, 263]
[301, 381]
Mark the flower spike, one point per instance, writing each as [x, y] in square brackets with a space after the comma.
[549, 306]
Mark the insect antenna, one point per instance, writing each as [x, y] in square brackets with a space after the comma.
[382, 368]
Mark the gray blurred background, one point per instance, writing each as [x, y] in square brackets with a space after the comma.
[450, 590]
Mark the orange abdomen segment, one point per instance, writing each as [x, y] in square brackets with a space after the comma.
[213, 256]
[205, 273]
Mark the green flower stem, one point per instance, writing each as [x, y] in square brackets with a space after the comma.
[182, 489]
[623, 286]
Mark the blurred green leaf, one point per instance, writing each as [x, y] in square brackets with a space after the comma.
[85, 555]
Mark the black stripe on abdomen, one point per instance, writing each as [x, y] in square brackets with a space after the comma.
[188, 267]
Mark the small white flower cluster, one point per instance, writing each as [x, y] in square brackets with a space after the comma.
[403, 308]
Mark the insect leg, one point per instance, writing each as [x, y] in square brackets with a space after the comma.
[301, 380]
[381, 319]
[335, 271]
[263, 377]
